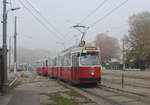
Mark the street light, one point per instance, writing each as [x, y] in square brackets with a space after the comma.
[12, 9]
[9, 53]
[4, 70]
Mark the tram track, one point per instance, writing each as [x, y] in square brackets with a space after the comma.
[107, 96]
[110, 101]
[126, 83]
[119, 94]
[125, 94]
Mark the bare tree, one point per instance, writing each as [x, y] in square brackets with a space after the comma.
[109, 47]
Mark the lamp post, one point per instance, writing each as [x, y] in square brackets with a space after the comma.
[123, 61]
[4, 70]
[9, 54]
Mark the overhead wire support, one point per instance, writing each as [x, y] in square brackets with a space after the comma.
[42, 16]
[83, 32]
[37, 18]
[92, 12]
[110, 12]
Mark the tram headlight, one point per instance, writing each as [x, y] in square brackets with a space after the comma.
[92, 73]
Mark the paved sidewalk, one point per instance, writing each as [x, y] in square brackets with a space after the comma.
[4, 99]
[20, 97]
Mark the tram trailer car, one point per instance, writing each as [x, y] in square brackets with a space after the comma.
[38, 70]
[77, 65]
[42, 68]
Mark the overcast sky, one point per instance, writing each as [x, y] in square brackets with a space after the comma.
[63, 14]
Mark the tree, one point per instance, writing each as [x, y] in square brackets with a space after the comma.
[138, 39]
[109, 47]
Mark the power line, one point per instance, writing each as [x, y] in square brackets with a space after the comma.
[109, 13]
[37, 18]
[91, 13]
[42, 16]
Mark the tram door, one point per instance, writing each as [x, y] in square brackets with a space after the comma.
[75, 69]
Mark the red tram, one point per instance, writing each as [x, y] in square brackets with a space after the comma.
[78, 64]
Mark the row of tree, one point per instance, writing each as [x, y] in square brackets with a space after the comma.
[136, 43]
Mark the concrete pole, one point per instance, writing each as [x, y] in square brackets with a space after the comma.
[123, 57]
[15, 46]
[9, 55]
[4, 70]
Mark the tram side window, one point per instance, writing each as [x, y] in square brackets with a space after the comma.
[49, 62]
[68, 56]
[46, 63]
[54, 62]
[62, 61]
[67, 60]
[75, 60]
[59, 61]
[43, 64]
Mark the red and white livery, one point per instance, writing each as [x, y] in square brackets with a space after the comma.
[78, 64]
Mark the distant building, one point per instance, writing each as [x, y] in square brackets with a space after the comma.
[115, 60]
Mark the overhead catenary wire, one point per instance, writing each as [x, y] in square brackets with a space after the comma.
[43, 17]
[92, 12]
[41, 22]
[109, 13]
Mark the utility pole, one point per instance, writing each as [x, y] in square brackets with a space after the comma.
[123, 64]
[9, 55]
[15, 46]
[4, 70]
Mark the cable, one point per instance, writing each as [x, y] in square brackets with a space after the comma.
[37, 18]
[91, 13]
[42, 16]
[114, 9]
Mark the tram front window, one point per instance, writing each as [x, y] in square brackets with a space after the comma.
[89, 58]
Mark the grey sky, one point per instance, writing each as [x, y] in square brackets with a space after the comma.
[65, 13]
